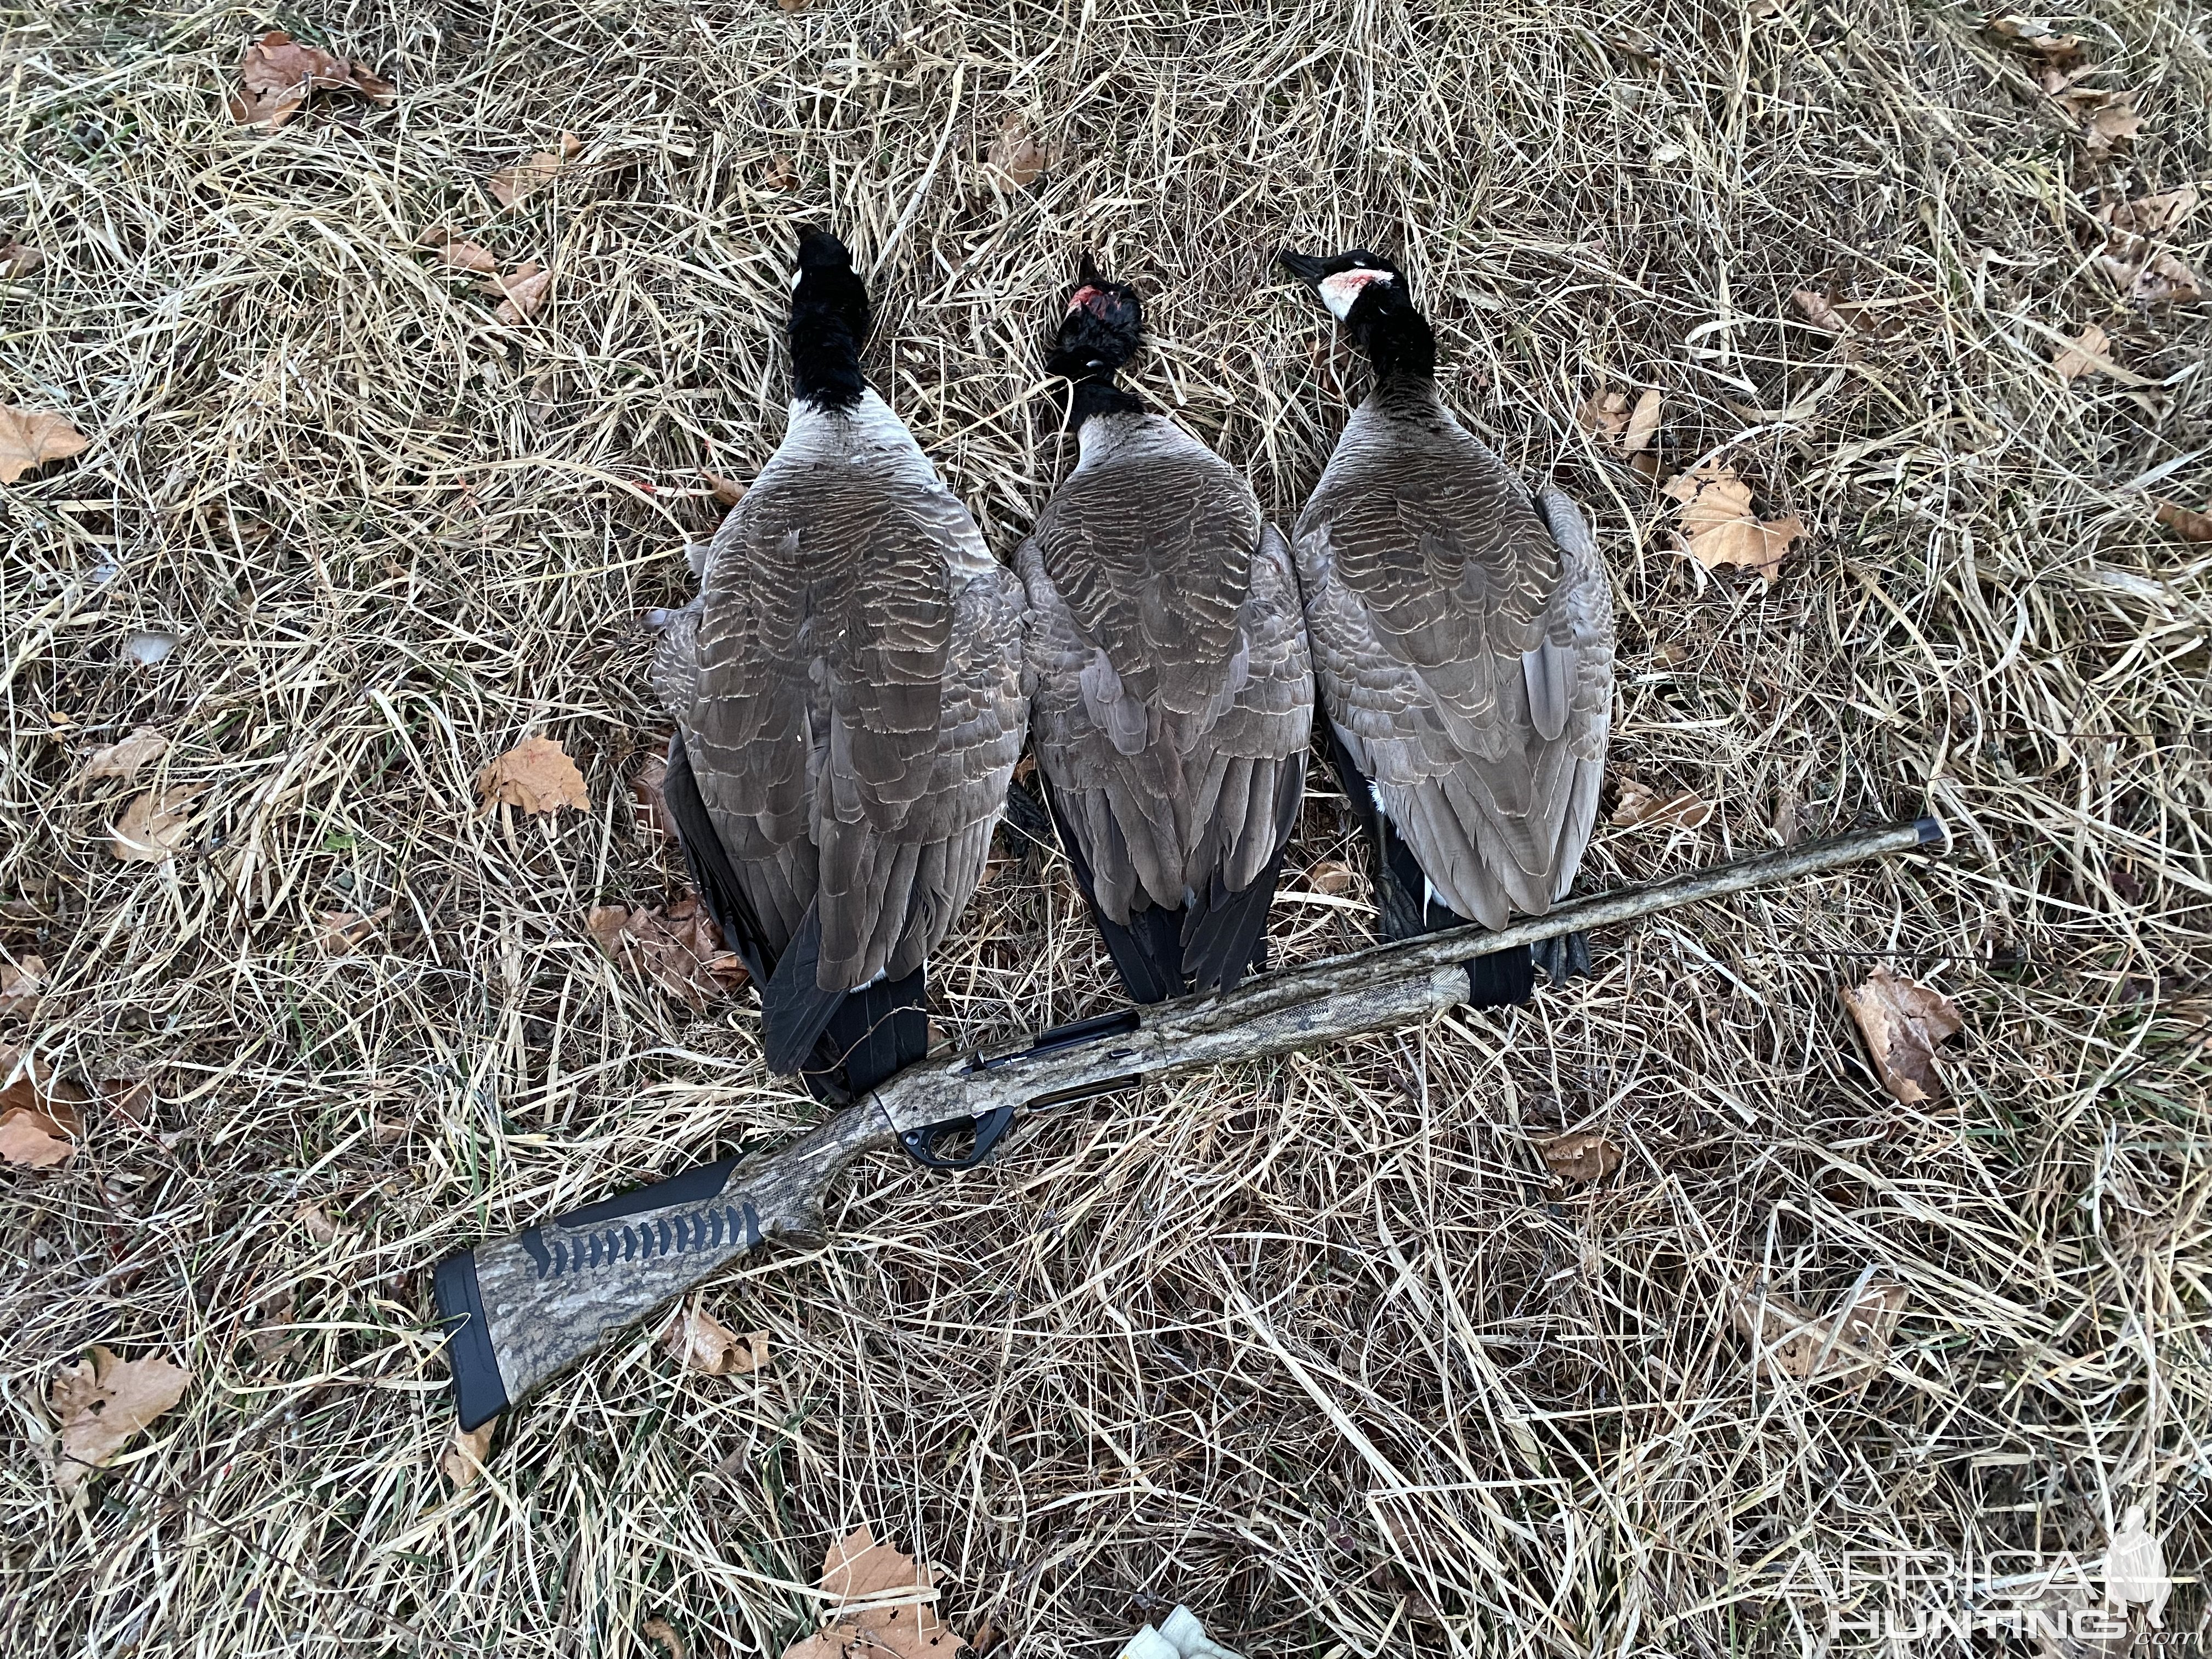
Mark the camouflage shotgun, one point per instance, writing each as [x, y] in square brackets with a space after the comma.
[521, 1309]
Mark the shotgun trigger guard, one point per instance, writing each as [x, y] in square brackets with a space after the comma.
[921, 1144]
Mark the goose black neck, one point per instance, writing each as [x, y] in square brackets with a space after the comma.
[1097, 391]
[828, 321]
[1396, 337]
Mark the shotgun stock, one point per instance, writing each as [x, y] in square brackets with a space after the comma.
[521, 1309]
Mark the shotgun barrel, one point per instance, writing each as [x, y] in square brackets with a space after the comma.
[519, 1310]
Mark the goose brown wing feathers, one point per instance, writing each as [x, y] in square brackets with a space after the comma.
[1173, 688]
[858, 707]
[1465, 654]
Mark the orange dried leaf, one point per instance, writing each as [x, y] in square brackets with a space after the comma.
[1328, 875]
[527, 287]
[700, 1342]
[22, 984]
[1902, 1023]
[780, 173]
[1640, 804]
[727, 491]
[1016, 157]
[153, 826]
[2189, 525]
[511, 184]
[679, 948]
[1719, 528]
[277, 74]
[868, 1581]
[460, 254]
[2085, 355]
[536, 775]
[1789, 1341]
[1580, 1157]
[123, 758]
[100, 1403]
[29, 438]
[468, 1455]
[40, 1123]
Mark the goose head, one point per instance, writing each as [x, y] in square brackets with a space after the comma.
[828, 321]
[1367, 295]
[1343, 281]
[1101, 326]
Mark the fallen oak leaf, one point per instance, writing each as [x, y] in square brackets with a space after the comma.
[1604, 415]
[344, 931]
[1640, 804]
[536, 775]
[22, 984]
[469, 1455]
[698, 1341]
[1787, 1340]
[153, 826]
[512, 184]
[18, 261]
[2034, 36]
[2150, 215]
[678, 949]
[867, 1581]
[277, 74]
[527, 287]
[123, 758]
[461, 254]
[29, 438]
[98, 1404]
[2154, 277]
[2189, 525]
[1329, 875]
[1580, 1157]
[1016, 155]
[1719, 528]
[2085, 354]
[1902, 1023]
[40, 1123]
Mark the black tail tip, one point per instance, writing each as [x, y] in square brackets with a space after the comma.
[818, 249]
[1503, 979]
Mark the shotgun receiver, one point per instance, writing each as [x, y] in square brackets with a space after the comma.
[521, 1309]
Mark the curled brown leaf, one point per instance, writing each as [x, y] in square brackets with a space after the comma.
[1903, 1024]
[536, 775]
[29, 438]
[514, 183]
[100, 1404]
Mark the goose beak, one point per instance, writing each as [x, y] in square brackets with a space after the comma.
[1090, 276]
[1307, 268]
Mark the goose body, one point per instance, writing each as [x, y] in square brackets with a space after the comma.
[1463, 639]
[1172, 688]
[847, 694]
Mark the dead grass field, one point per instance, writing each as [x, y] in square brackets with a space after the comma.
[1315, 1345]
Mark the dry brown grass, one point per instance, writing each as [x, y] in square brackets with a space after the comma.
[1310, 1345]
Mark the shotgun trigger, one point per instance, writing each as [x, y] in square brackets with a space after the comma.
[923, 1144]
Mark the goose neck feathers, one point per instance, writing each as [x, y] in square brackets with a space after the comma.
[1390, 329]
[829, 321]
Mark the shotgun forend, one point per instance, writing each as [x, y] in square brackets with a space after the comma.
[521, 1309]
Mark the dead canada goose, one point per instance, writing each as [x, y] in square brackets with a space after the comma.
[846, 689]
[1462, 639]
[1173, 695]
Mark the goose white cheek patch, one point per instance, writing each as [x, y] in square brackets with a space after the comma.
[1338, 292]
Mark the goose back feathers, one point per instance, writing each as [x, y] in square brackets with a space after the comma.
[1462, 639]
[849, 697]
[1172, 685]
